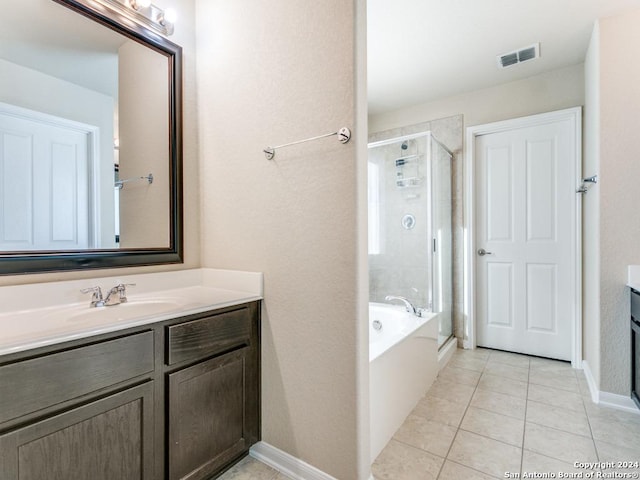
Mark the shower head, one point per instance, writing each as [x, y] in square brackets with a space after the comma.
[404, 145]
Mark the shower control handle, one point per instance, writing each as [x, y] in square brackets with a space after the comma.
[482, 252]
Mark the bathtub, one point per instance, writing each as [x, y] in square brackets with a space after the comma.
[403, 363]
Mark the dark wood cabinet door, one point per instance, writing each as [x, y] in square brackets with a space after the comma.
[102, 440]
[208, 424]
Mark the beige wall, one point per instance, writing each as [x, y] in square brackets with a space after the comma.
[271, 73]
[550, 91]
[618, 191]
[143, 115]
[591, 211]
[184, 36]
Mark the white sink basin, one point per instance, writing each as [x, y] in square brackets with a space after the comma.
[131, 309]
[134, 308]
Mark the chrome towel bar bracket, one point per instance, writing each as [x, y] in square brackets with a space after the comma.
[583, 188]
[344, 135]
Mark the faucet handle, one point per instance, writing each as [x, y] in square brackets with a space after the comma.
[122, 290]
[96, 298]
[97, 291]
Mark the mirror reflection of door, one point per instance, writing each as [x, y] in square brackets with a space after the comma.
[45, 196]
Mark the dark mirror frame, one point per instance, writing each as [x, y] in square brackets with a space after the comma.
[50, 261]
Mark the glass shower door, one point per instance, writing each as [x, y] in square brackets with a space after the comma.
[442, 239]
[410, 234]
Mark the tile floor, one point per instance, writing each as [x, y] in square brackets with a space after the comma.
[492, 412]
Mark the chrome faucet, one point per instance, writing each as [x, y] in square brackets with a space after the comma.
[121, 291]
[409, 306]
[96, 297]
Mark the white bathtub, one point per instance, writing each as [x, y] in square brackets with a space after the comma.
[403, 362]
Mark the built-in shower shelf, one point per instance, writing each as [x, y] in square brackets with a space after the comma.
[400, 161]
[409, 182]
[408, 157]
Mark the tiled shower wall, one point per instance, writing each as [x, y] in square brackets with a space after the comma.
[400, 265]
[448, 131]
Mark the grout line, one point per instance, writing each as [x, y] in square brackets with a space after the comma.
[558, 388]
[490, 438]
[498, 413]
[397, 440]
[524, 429]
[471, 468]
[584, 407]
[461, 420]
[558, 430]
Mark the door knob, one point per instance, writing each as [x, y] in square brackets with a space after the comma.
[482, 252]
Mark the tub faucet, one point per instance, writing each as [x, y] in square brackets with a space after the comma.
[407, 304]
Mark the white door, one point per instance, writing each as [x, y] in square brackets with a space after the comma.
[44, 197]
[526, 222]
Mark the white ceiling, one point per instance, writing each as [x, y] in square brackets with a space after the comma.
[422, 50]
[48, 37]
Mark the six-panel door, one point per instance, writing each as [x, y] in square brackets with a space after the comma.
[526, 218]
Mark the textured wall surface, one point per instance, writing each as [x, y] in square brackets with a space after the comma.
[185, 37]
[271, 73]
[591, 211]
[550, 91]
[619, 193]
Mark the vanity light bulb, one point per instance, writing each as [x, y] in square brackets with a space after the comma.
[137, 4]
[170, 15]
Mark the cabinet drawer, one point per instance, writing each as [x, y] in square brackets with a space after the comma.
[207, 336]
[635, 305]
[42, 382]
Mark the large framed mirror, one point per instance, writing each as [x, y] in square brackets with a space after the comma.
[90, 139]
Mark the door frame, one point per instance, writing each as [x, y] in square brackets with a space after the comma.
[469, 247]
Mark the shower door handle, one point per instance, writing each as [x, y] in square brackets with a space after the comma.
[482, 252]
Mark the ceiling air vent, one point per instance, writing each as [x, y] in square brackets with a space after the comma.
[518, 56]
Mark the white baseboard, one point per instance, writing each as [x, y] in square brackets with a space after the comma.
[606, 399]
[619, 402]
[290, 466]
[446, 352]
[593, 388]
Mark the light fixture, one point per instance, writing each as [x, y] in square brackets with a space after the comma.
[145, 13]
[138, 4]
[170, 16]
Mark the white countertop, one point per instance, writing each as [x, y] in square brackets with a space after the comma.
[633, 277]
[37, 315]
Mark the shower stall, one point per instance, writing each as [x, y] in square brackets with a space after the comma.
[410, 218]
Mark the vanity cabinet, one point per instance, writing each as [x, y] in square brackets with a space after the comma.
[213, 401]
[178, 399]
[102, 440]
